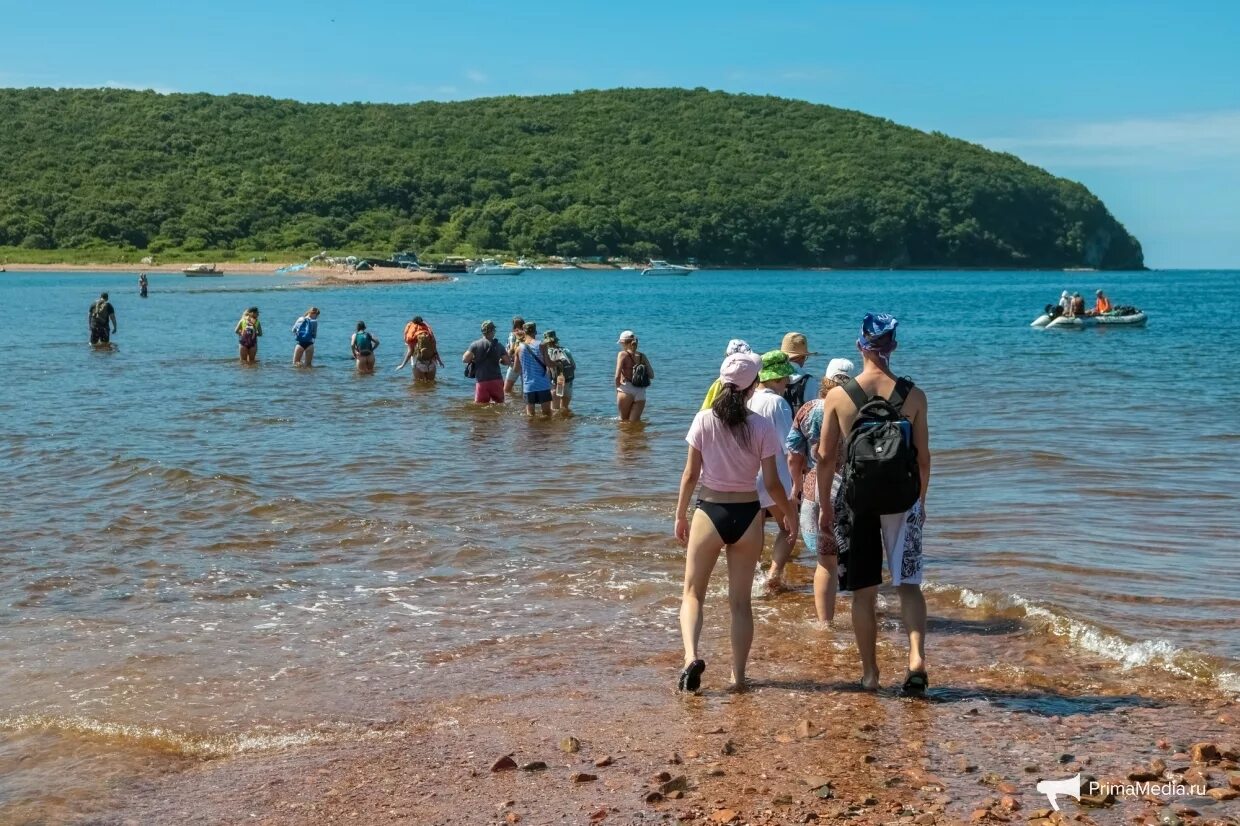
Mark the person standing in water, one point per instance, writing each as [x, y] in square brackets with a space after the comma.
[861, 526]
[142, 284]
[98, 318]
[563, 371]
[305, 331]
[802, 447]
[483, 362]
[535, 372]
[633, 375]
[728, 446]
[363, 345]
[515, 337]
[768, 402]
[249, 330]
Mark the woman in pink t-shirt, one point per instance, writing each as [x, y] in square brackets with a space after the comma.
[727, 447]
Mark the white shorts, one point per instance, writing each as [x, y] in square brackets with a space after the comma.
[637, 394]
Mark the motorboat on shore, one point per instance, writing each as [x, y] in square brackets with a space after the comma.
[660, 267]
[1119, 317]
[489, 266]
[202, 271]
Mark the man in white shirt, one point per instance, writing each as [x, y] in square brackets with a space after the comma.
[769, 403]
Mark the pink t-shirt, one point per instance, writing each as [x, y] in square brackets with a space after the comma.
[728, 465]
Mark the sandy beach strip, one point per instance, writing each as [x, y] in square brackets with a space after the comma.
[379, 275]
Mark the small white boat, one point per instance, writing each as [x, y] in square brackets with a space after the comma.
[202, 270]
[489, 266]
[659, 267]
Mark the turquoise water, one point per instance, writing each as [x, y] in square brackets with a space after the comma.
[220, 549]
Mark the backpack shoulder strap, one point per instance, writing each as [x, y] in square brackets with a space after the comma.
[903, 385]
[854, 391]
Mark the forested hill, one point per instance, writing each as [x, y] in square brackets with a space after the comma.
[729, 179]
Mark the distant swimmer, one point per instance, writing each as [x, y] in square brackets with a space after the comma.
[305, 331]
[249, 329]
[1102, 304]
[142, 284]
[98, 318]
[363, 345]
[880, 508]
[483, 363]
[729, 446]
[634, 374]
[735, 346]
[535, 371]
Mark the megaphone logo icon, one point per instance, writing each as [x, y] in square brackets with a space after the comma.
[1053, 788]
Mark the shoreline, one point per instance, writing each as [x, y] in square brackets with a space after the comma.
[583, 739]
[382, 275]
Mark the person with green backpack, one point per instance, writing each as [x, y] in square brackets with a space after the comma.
[249, 329]
[563, 370]
[363, 345]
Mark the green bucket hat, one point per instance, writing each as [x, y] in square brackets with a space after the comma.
[775, 366]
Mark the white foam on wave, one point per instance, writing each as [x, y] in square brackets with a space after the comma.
[1156, 653]
[185, 744]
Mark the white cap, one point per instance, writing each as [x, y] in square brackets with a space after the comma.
[626, 336]
[839, 367]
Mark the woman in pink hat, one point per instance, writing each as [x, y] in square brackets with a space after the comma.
[728, 445]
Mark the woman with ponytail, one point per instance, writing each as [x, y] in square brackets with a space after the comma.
[727, 447]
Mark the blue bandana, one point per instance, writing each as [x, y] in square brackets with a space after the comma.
[875, 326]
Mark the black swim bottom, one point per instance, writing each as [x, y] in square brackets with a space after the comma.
[731, 519]
[99, 335]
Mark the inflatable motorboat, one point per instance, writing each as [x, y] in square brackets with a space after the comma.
[1120, 316]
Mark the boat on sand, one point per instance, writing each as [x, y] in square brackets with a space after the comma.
[202, 270]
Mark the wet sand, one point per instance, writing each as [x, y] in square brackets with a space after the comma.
[802, 745]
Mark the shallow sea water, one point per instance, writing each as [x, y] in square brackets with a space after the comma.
[202, 558]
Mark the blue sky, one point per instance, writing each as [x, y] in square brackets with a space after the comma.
[1138, 100]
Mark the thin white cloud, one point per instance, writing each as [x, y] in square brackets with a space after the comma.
[1186, 138]
[475, 76]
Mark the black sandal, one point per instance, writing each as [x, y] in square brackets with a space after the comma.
[916, 683]
[691, 676]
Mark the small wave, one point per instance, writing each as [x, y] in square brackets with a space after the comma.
[1160, 654]
[184, 744]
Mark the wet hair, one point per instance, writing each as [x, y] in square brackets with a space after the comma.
[417, 319]
[730, 408]
[104, 296]
[518, 323]
[252, 310]
[530, 329]
[361, 325]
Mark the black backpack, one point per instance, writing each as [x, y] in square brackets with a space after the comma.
[794, 393]
[880, 471]
[641, 372]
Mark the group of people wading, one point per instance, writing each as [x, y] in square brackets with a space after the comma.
[545, 368]
[848, 472]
